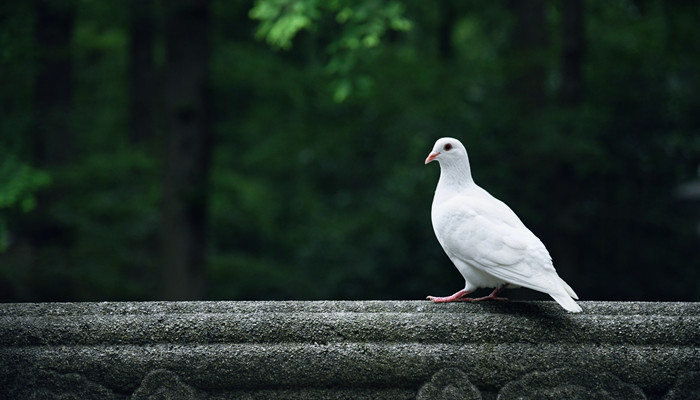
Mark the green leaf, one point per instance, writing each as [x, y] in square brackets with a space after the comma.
[342, 90]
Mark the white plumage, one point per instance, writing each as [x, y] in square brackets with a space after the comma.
[484, 238]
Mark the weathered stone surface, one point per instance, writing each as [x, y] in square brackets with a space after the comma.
[162, 384]
[686, 387]
[42, 384]
[363, 349]
[570, 384]
[449, 384]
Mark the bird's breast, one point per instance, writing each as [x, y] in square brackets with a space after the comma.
[450, 221]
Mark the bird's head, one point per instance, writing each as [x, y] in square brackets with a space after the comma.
[447, 151]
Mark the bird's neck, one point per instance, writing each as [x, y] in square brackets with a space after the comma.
[455, 177]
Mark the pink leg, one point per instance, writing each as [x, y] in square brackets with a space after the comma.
[459, 296]
[494, 295]
[455, 297]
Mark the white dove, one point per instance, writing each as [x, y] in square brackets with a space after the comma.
[484, 238]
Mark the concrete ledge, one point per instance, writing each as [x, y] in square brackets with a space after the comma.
[353, 350]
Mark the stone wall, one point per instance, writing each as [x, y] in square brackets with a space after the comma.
[349, 350]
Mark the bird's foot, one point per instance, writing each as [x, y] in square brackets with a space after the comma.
[493, 295]
[459, 296]
[489, 297]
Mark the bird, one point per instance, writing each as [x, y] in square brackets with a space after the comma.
[484, 238]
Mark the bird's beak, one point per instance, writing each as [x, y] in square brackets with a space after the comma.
[431, 156]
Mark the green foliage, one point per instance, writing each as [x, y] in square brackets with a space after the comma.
[363, 24]
[281, 20]
[358, 29]
[19, 183]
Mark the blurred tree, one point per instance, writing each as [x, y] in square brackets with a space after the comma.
[188, 149]
[572, 54]
[142, 77]
[569, 99]
[19, 179]
[53, 139]
[527, 55]
[580, 115]
[448, 17]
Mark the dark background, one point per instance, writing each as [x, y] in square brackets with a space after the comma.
[274, 149]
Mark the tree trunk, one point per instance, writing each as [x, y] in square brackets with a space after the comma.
[53, 141]
[448, 16]
[529, 44]
[570, 96]
[189, 141]
[573, 51]
[141, 72]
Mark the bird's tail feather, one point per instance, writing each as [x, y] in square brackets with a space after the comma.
[568, 289]
[566, 301]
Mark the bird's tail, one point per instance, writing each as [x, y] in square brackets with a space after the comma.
[565, 300]
[568, 289]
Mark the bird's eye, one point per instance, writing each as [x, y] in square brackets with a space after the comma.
[447, 147]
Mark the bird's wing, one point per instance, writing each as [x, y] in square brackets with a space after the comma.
[486, 234]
